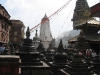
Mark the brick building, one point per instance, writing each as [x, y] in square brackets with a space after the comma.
[17, 32]
[4, 25]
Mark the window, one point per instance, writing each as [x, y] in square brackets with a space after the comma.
[15, 33]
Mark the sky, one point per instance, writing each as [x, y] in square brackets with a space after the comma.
[30, 12]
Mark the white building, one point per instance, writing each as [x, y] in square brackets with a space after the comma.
[45, 33]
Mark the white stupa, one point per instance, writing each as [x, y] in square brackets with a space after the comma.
[45, 33]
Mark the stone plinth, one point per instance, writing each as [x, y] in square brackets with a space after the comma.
[35, 69]
[55, 68]
[9, 65]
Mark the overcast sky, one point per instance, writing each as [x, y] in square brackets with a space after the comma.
[30, 12]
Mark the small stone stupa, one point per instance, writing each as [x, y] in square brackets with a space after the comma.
[28, 52]
[60, 60]
[82, 43]
[81, 46]
[70, 52]
[77, 66]
[36, 40]
[41, 49]
[60, 57]
[30, 62]
[50, 51]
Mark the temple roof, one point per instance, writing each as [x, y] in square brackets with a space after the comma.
[90, 22]
[89, 37]
[93, 22]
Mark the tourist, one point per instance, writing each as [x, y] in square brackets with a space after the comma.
[80, 53]
[93, 54]
[88, 52]
[2, 48]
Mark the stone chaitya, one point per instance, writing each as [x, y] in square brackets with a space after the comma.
[82, 46]
[36, 40]
[60, 57]
[50, 53]
[69, 52]
[82, 43]
[78, 66]
[60, 60]
[41, 48]
[28, 52]
[30, 62]
[42, 51]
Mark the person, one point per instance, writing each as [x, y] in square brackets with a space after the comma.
[93, 54]
[2, 48]
[88, 53]
[80, 53]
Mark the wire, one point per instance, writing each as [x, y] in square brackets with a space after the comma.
[67, 18]
[50, 17]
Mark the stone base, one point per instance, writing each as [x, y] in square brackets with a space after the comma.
[55, 68]
[9, 74]
[9, 65]
[63, 72]
[35, 70]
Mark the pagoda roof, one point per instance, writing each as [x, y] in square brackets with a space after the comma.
[93, 22]
[89, 38]
[90, 22]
